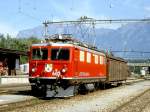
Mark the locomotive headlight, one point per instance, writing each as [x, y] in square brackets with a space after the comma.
[63, 70]
[33, 69]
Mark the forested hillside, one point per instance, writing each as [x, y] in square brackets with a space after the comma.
[21, 44]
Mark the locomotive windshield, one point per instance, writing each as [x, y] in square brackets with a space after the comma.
[60, 54]
[39, 54]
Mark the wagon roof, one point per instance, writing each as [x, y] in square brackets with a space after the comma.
[116, 58]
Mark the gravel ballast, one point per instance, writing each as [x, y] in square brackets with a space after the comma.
[138, 104]
[98, 101]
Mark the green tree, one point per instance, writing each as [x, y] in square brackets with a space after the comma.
[21, 44]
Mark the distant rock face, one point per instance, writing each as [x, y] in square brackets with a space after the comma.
[133, 36]
[34, 32]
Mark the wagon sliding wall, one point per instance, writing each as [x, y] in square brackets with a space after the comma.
[117, 69]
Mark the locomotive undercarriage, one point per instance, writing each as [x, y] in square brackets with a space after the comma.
[63, 88]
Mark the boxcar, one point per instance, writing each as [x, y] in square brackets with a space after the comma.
[117, 69]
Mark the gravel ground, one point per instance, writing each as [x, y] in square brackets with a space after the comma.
[98, 101]
[147, 108]
[138, 104]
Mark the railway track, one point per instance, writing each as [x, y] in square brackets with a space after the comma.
[15, 89]
[35, 100]
[7, 89]
[22, 104]
[137, 104]
[133, 80]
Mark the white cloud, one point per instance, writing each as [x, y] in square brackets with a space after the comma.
[7, 29]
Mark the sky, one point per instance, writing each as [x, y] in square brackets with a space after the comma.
[17, 15]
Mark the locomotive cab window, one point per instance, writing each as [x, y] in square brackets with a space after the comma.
[39, 54]
[60, 54]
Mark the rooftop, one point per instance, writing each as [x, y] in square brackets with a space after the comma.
[12, 51]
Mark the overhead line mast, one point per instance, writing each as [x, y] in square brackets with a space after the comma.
[86, 20]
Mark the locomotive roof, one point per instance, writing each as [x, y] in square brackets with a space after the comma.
[69, 45]
[80, 47]
[68, 40]
[52, 44]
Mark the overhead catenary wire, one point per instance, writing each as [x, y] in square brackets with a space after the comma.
[134, 51]
[85, 20]
[98, 21]
[135, 57]
[72, 5]
[137, 54]
[20, 11]
[34, 4]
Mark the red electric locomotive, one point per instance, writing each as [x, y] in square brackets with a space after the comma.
[62, 66]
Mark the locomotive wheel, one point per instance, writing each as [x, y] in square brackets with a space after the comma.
[97, 85]
[101, 85]
[39, 90]
[119, 84]
[82, 89]
[76, 90]
[34, 90]
[85, 88]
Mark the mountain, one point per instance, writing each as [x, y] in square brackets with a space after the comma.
[129, 37]
[35, 32]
